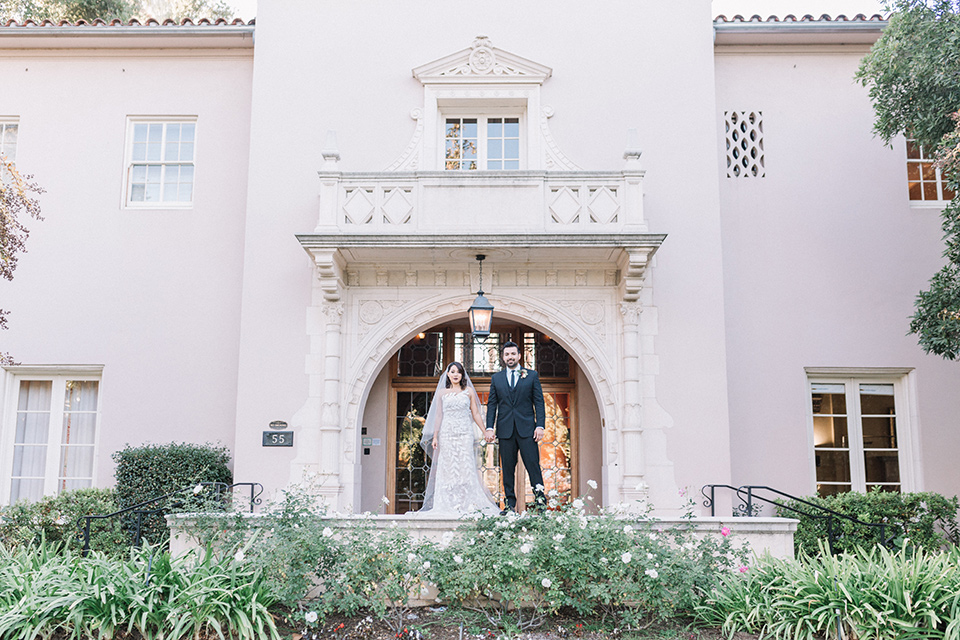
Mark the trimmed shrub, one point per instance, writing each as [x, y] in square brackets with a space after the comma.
[154, 470]
[54, 520]
[927, 520]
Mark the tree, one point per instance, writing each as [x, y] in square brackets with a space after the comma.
[16, 203]
[107, 10]
[913, 77]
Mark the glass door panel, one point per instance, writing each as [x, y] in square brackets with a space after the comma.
[410, 463]
[556, 461]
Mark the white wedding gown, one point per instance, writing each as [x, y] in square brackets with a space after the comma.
[457, 487]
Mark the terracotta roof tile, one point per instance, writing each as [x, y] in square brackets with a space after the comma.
[133, 22]
[806, 18]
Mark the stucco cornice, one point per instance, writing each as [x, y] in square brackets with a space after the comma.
[483, 241]
[787, 33]
[126, 37]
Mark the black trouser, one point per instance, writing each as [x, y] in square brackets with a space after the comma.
[530, 453]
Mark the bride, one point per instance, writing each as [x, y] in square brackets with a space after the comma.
[451, 433]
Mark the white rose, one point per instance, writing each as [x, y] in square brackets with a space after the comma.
[546, 583]
[426, 565]
[411, 557]
[628, 529]
[526, 547]
[649, 556]
[626, 557]
[603, 561]
[385, 500]
[578, 504]
[197, 489]
[311, 617]
[239, 556]
[559, 537]
[458, 559]
[327, 532]
[652, 573]
[592, 484]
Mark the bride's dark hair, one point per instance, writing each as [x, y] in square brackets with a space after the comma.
[463, 375]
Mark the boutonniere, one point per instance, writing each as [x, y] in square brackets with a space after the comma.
[523, 373]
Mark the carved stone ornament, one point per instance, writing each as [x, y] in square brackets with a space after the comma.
[631, 312]
[370, 312]
[333, 311]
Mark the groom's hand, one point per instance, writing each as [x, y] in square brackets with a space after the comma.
[538, 434]
[489, 435]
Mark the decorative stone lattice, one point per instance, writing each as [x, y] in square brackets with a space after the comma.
[381, 205]
[744, 131]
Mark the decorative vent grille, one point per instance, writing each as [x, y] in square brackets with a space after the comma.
[744, 144]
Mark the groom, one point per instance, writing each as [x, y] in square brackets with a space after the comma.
[515, 406]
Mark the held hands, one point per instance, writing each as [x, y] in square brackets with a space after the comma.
[435, 442]
[538, 434]
[489, 435]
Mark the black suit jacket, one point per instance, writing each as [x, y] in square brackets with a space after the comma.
[518, 409]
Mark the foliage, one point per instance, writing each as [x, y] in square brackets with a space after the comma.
[530, 566]
[874, 593]
[154, 470]
[927, 520]
[913, 77]
[107, 10]
[43, 593]
[53, 519]
[16, 204]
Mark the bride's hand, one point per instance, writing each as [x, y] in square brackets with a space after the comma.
[434, 443]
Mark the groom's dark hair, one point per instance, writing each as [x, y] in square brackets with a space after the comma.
[506, 345]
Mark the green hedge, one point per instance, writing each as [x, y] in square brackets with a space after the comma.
[927, 520]
[154, 470]
[54, 519]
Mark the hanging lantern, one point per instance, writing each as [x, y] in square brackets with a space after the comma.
[481, 311]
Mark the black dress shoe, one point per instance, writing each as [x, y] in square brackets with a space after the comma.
[507, 510]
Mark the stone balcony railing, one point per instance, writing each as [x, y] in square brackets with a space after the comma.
[428, 202]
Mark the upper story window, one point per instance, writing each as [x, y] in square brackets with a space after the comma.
[160, 162]
[50, 433]
[483, 142]
[924, 181]
[8, 138]
[861, 433]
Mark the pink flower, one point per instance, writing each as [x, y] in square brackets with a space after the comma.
[744, 569]
[724, 531]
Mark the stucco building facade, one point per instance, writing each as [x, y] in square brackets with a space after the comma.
[686, 221]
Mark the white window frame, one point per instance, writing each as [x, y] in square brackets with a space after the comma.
[483, 116]
[905, 395]
[58, 375]
[6, 121]
[940, 202]
[128, 162]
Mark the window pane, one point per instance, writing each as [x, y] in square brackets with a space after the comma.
[879, 433]
[139, 133]
[138, 193]
[511, 164]
[494, 165]
[153, 151]
[186, 192]
[824, 490]
[152, 193]
[913, 171]
[890, 488]
[76, 462]
[155, 133]
[186, 151]
[470, 128]
[79, 428]
[35, 395]
[829, 431]
[81, 395]
[173, 132]
[511, 148]
[187, 132]
[170, 192]
[829, 399]
[928, 171]
[832, 466]
[31, 490]
[171, 175]
[876, 399]
[494, 128]
[172, 151]
[882, 466]
[512, 127]
[947, 194]
[9, 135]
[494, 149]
[916, 190]
[153, 173]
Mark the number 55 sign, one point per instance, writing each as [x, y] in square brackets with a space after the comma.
[277, 438]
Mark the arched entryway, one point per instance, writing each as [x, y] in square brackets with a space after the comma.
[401, 395]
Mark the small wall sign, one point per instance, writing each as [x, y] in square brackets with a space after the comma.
[278, 424]
[277, 438]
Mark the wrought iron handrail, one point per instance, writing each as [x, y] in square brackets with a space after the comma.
[83, 522]
[747, 494]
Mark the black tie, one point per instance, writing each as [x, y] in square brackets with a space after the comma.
[513, 378]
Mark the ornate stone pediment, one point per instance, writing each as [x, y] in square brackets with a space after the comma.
[482, 62]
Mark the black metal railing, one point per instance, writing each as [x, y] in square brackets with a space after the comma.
[139, 511]
[749, 506]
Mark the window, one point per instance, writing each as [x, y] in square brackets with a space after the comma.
[53, 434]
[8, 144]
[924, 182]
[860, 434]
[483, 142]
[8, 138]
[160, 162]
